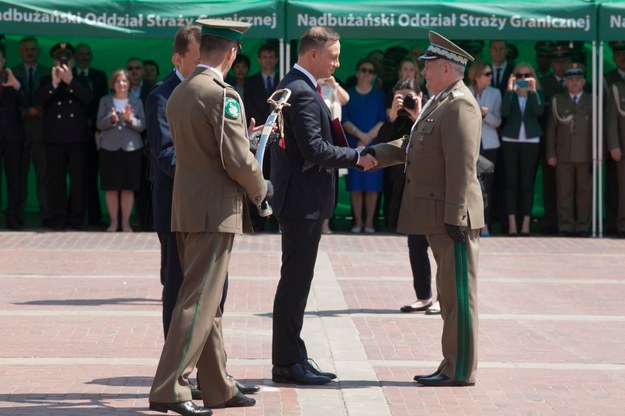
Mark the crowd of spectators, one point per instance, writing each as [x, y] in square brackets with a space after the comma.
[84, 136]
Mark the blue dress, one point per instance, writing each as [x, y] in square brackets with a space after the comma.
[364, 111]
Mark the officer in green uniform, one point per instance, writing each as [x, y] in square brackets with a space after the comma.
[569, 151]
[215, 174]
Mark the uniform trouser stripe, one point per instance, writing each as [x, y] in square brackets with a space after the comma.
[464, 322]
[197, 307]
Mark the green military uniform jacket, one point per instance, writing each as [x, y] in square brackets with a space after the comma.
[442, 151]
[214, 168]
[615, 117]
[569, 129]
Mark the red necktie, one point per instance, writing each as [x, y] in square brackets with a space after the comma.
[319, 90]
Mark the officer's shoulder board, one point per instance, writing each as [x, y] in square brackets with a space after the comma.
[457, 93]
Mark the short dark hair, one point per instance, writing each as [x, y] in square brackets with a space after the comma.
[27, 39]
[407, 84]
[183, 38]
[363, 61]
[317, 37]
[242, 58]
[215, 46]
[268, 47]
[153, 63]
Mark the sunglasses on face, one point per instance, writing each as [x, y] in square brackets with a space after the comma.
[134, 68]
[367, 70]
[488, 74]
[520, 75]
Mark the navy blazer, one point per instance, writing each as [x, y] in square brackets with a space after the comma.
[304, 173]
[255, 99]
[163, 154]
[11, 103]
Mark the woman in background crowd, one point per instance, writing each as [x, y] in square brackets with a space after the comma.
[120, 121]
[363, 116]
[521, 106]
[489, 100]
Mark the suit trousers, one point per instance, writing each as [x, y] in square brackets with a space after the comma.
[420, 266]
[550, 191]
[195, 336]
[61, 158]
[520, 161]
[11, 154]
[34, 147]
[300, 244]
[574, 196]
[456, 283]
[620, 173]
[171, 275]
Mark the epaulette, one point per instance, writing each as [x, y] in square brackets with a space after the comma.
[457, 93]
[221, 83]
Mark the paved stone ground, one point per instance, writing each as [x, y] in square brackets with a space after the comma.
[80, 327]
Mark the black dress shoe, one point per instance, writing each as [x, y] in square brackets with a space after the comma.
[247, 389]
[418, 376]
[196, 394]
[441, 380]
[410, 308]
[184, 408]
[297, 373]
[314, 368]
[238, 400]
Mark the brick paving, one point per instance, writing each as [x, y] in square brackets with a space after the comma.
[80, 327]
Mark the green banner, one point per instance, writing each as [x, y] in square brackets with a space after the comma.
[412, 19]
[151, 18]
[612, 18]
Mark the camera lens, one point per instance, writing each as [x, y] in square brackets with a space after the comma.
[409, 102]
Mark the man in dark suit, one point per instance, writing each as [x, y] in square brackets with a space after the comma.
[611, 181]
[502, 68]
[258, 88]
[552, 84]
[98, 84]
[30, 73]
[303, 170]
[66, 132]
[12, 99]
[186, 56]
[141, 89]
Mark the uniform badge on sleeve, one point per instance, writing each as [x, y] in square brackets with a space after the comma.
[232, 108]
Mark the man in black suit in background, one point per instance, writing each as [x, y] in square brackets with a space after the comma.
[258, 88]
[98, 84]
[12, 99]
[66, 132]
[30, 73]
[303, 172]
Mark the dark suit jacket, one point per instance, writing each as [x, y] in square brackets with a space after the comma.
[98, 84]
[503, 84]
[65, 111]
[11, 103]
[255, 98]
[511, 111]
[41, 72]
[304, 174]
[163, 154]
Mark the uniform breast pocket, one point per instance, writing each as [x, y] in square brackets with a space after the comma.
[423, 136]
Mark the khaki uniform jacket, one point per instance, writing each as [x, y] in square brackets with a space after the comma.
[569, 132]
[615, 117]
[214, 167]
[441, 180]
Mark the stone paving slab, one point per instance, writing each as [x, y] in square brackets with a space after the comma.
[80, 327]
